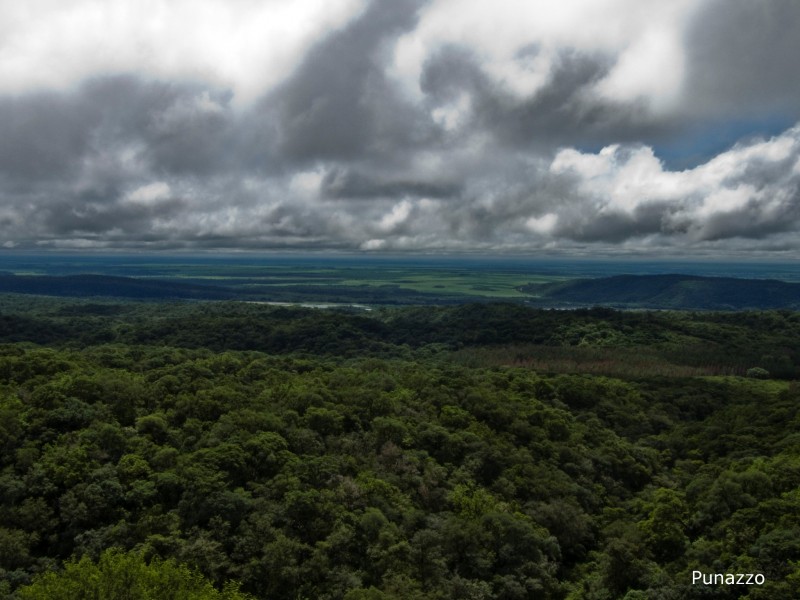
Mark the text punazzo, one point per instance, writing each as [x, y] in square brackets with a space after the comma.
[699, 577]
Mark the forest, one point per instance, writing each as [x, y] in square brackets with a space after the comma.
[482, 451]
[672, 291]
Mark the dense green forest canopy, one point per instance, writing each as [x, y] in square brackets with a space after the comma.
[478, 451]
[596, 340]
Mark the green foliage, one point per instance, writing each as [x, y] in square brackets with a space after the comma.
[757, 373]
[125, 576]
[362, 456]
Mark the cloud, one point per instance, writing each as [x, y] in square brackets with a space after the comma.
[742, 58]
[150, 194]
[577, 126]
[518, 43]
[338, 103]
[750, 191]
[246, 46]
[342, 183]
[42, 135]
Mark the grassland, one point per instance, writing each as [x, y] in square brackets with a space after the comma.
[501, 284]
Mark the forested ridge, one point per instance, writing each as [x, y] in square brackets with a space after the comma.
[479, 451]
[673, 291]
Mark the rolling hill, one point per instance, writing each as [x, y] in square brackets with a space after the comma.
[670, 292]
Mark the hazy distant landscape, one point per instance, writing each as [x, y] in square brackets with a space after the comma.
[409, 281]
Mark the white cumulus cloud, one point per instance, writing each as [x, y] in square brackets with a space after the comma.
[246, 45]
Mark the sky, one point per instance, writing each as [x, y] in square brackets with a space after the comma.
[539, 127]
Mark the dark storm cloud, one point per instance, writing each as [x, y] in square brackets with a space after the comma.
[345, 183]
[742, 79]
[582, 223]
[84, 216]
[450, 71]
[563, 112]
[751, 222]
[339, 105]
[68, 162]
[742, 57]
[43, 135]
[193, 135]
[180, 128]
[183, 128]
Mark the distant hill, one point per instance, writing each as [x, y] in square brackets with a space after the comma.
[671, 292]
[103, 285]
[94, 285]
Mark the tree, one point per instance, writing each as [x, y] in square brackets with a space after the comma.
[757, 373]
[126, 576]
